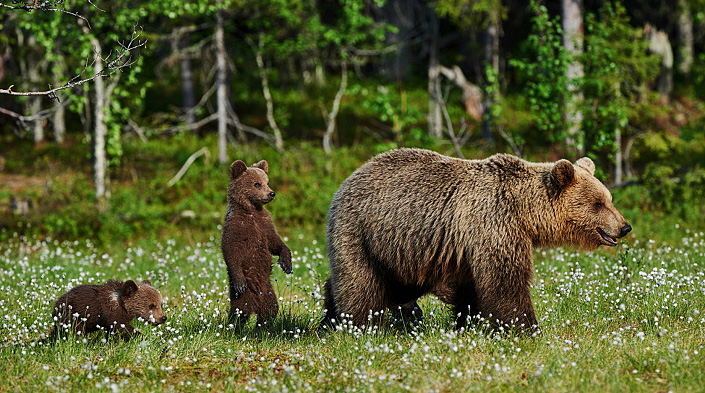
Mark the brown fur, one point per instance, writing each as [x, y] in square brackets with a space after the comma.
[109, 307]
[412, 221]
[248, 243]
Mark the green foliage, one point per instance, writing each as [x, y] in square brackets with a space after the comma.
[617, 68]
[390, 106]
[698, 73]
[674, 170]
[468, 13]
[544, 73]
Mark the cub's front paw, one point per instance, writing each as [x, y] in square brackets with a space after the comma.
[285, 264]
[237, 289]
[285, 261]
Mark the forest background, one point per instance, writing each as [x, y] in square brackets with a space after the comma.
[119, 121]
[101, 105]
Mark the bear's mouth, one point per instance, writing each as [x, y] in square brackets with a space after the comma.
[607, 238]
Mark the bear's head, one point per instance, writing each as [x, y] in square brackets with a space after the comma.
[249, 187]
[143, 301]
[584, 205]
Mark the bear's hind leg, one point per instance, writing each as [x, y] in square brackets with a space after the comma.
[240, 309]
[331, 312]
[363, 299]
[463, 299]
[267, 305]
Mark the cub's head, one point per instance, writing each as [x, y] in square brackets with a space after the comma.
[585, 205]
[141, 300]
[249, 187]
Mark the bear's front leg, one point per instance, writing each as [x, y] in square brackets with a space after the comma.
[236, 280]
[503, 287]
[508, 307]
[124, 332]
[282, 251]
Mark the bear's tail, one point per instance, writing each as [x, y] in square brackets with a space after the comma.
[331, 312]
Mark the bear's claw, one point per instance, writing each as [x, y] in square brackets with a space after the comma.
[236, 290]
[285, 264]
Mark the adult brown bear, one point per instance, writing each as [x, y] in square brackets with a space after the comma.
[412, 221]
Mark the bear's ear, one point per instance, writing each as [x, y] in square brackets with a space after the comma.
[129, 288]
[586, 164]
[146, 282]
[562, 174]
[237, 168]
[262, 165]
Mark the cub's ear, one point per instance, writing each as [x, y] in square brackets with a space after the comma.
[146, 282]
[237, 168]
[129, 288]
[262, 165]
[562, 174]
[586, 164]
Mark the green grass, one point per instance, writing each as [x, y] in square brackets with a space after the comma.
[625, 319]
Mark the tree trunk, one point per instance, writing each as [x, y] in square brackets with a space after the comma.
[34, 104]
[400, 14]
[660, 45]
[572, 21]
[187, 93]
[435, 124]
[100, 131]
[34, 107]
[492, 58]
[60, 114]
[685, 37]
[330, 127]
[278, 141]
[221, 90]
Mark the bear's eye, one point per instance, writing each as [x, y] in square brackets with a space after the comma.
[599, 204]
[152, 306]
[257, 185]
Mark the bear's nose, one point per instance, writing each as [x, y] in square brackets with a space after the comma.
[624, 230]
[164, 318]
[272, 194]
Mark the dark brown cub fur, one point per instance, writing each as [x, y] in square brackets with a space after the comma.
[109, 307]
[248, 243]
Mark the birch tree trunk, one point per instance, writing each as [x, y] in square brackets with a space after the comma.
[278, 141]
[187, 94]
[100, 131]
[572, 21]
[492, 58]
[34, 104]
[221, 90]
[330, 127]
[60, 114]
[435, 124]
[685, 37]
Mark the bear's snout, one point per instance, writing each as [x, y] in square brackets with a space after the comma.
[624, 230]
[163, 319]
[272, 194]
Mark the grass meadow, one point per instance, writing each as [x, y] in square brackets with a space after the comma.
[630, 318]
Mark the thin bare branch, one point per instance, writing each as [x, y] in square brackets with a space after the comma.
[46, 5]
[202, 152]
[44, 114]
[114, 63]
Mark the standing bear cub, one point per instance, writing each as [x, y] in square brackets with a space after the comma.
[248, 243]
[109, 307]
[412, 221]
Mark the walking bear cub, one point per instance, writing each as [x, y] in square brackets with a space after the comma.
[248, 243]
[412, 221]
[109, 307]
